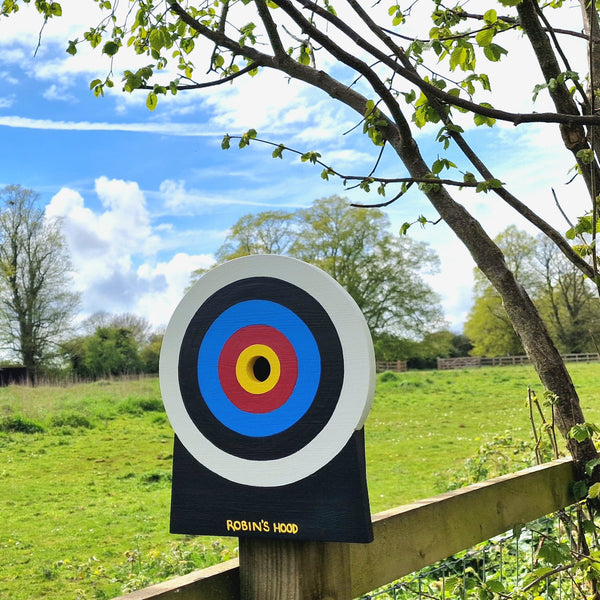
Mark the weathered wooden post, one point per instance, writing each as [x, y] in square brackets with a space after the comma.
[267, 374]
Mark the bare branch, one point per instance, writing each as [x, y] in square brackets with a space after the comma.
[207, 84]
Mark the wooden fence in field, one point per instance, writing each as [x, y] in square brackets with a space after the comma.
[464, 362]
[407, 539]
[399, 366]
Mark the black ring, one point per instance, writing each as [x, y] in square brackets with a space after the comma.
[323, 330]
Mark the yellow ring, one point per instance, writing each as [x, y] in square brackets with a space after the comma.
[244, 369]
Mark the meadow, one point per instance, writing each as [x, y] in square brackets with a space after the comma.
[85, 470]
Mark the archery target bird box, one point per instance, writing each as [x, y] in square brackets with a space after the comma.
[267, 374]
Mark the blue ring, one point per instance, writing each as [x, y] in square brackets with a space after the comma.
[259, 312]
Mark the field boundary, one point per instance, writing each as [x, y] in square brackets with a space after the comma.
[407, 539]
[463, 362]
[398, 366]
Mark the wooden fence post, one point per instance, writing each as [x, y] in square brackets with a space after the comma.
[272, 569]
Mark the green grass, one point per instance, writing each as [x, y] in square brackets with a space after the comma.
[85, 471]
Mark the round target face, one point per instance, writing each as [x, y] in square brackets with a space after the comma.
[266, 369]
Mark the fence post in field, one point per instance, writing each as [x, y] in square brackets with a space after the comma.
[294, 570]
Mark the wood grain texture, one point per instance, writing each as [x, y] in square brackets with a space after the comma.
[419, 534]
[281, 569]
[407, 538]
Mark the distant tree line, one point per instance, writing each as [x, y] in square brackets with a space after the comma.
[565, 298]
[38, 307]
[112, 345]
[383, 272]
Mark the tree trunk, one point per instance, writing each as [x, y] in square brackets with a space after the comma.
[524, 316]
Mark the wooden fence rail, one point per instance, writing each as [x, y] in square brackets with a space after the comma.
[399, 366]
[462, 362]
[407, 539]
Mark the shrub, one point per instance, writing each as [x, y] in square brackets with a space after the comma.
[155, 477]
[18, 424]
[137, 406]
[388, 376]
[74, 420]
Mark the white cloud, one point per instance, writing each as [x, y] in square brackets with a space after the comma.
[176, 275]
[114, 252]
[175, 129]
[54, 92]
[178, 199]
[347, 157]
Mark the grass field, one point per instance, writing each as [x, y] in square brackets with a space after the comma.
[85, 471]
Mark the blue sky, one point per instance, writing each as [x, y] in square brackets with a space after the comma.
[147, 197]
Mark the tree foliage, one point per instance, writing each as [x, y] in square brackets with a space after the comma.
[563, 295]
[139, 327]
[113, 345]
[36, 302]
[109, 351]
[398, 73]
[382, 272]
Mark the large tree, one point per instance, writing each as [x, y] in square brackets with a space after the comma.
[567, 301]
[382, 272]
[488, 326]
[564, 296]
[37, 303]
[139, 327]
[391, 70]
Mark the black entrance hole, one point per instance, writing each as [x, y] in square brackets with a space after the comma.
[261, 368]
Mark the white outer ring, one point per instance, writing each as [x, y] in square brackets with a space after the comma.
[356, 395]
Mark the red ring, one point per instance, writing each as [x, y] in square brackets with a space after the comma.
[239, 341]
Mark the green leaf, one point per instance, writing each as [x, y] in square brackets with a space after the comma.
[458, 58]
[493, 52]
[225, 143]
[554, 553]
[490, 17]
[495, 586]
[151, 100]
[277, 153]
[482, 119]
[409, 97]
[586, 156]
[246, 137]
[311, 156]
[583, 431]
[218, 61]
[304, 56]
[594, 491]
[110, 48]
[156, 39]
[490, 184]
[72, 47]
[485, 36]
[579, 489]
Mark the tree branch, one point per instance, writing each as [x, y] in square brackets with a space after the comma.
[573, 135]
[511, 200]
[567, 118]
[271, 28]
[206, 84]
